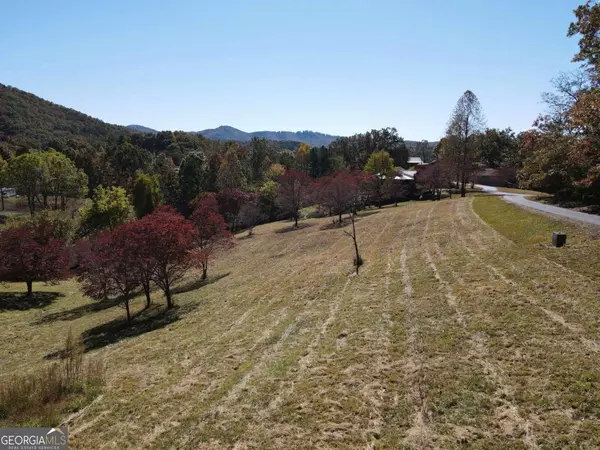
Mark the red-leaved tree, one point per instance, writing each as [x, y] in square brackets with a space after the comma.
[31, 253]
[293, 192]
[211, 231]
[336, 192]
[139, 254]
[170, 239]
[230, 205]
[105, 268]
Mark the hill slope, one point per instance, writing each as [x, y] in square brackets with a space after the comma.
[453, 335]
[141, 129]
[227, 133]
[26, 119]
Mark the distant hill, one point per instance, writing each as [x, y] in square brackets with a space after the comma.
[227, 133]
[141, 129]
[28, 120]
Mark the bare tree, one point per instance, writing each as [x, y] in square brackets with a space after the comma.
[466, 122]
[566, 88]
[358, 261]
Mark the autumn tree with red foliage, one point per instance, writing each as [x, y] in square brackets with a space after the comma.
[211, 231]
[170, 237]
[139, 254]
[435, 177]
[293, 193]
[105, 268]
[230, 205]
[30, 252]
[336, 192]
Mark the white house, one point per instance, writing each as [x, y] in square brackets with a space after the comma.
[415, 161]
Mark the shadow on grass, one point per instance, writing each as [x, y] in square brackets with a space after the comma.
[18, 301]
[293, 228]
[369, 213]
[80, 311]
[336, 225]
[118, 329]
[197, 284]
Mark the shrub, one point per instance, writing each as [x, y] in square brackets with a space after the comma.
[40, 398]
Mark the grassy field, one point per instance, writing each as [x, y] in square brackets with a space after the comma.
[521, 191]
[463, 330]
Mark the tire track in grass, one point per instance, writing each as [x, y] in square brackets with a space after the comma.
[307, 360]
[268, 356]
[577, 329]
[508, 413]
[377, 397]
[197, 369]
[419, 435]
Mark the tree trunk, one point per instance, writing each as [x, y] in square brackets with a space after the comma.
[2, 197]
[29, 287]
[340, 218]
[147, 292]
[127, 309]
[296, 221]
[204, 270]
[56, 202]
[168, 296]
[355, 247]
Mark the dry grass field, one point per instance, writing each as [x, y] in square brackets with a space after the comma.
[464, 329]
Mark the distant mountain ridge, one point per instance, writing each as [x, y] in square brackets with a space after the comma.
[228, 133]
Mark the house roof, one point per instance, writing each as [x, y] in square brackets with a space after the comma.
[415, 160]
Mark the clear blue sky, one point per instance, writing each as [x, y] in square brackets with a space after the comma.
[336, 66]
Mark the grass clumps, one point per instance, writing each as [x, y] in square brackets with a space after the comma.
[42, 397]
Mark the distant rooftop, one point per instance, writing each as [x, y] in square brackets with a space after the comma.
[415, 160]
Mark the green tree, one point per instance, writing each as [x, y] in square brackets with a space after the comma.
[231, 173]
[3, 179]
[498, 148]
[267, 199]
[61, 179]
[259, 151]
[146, 194]
[110, 208]
[381, 165]
[192, 176]
[25, 172]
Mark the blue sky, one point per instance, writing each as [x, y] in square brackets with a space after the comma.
[335, 66]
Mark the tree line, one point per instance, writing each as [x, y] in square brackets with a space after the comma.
[560, 155]
[130, 239]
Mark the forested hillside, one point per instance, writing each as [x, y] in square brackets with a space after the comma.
[32, 122]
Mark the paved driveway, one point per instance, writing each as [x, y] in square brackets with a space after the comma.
[519, 199]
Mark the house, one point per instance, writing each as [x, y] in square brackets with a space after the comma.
[405, 175]
[503, 176]
[9, 192]
[415, 161]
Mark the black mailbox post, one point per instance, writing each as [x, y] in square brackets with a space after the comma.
[559, 239]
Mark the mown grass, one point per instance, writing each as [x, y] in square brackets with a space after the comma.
[521, 191]
[464, 329]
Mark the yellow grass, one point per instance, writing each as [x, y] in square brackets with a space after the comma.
[463, 330]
